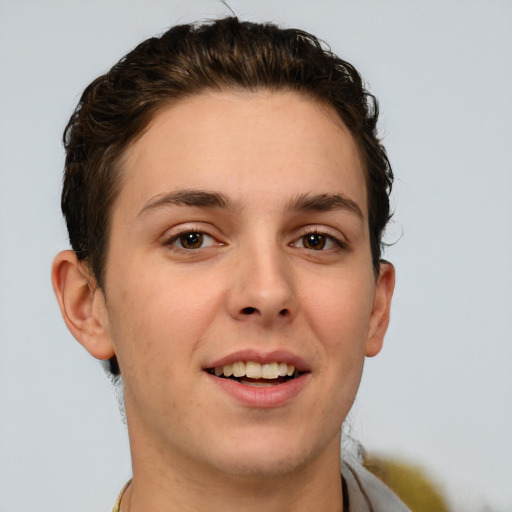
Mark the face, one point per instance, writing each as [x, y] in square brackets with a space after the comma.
[240, 295]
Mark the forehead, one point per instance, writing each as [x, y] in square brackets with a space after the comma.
[246, 144]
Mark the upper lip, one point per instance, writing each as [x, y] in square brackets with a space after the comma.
[279, 356]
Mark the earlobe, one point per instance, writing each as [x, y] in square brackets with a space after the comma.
[379, 319]
[82, 305]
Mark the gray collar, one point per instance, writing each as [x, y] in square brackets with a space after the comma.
[366, 493]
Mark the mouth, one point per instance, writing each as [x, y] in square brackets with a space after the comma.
[252, 373]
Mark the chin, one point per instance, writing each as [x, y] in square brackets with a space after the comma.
[263, 455]
[263, 465]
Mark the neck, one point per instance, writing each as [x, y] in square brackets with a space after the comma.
[177, 485]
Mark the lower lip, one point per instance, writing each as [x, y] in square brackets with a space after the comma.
[262, 397]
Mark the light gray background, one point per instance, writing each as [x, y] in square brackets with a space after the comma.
[440, 393]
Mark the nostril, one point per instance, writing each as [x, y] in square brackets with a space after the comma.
[248, 311]
[283, 312]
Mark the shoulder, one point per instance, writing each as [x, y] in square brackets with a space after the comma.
[367, 493]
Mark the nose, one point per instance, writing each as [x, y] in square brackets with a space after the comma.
[262, 287]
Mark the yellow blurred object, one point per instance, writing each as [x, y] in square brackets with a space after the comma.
[408, 481]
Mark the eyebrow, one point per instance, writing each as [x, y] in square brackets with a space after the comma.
[198, 198]
[325, 202]
[208, 199]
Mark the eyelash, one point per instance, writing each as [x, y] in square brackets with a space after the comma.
[331, 241]
[179, 237]
[337, 243]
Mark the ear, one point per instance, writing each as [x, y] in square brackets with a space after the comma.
[82, 304]
[379, 319]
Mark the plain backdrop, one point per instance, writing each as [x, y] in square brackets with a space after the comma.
[440, 393]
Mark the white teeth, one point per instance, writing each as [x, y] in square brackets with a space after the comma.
[227, 370]
[270, 371]
[253, 370]
[239, 369]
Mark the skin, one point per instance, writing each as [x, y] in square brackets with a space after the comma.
[167, 311]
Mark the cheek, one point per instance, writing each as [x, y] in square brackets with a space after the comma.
[158, 319]
[340, 315]
[339, 312]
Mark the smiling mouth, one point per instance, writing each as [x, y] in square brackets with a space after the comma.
[255, 374]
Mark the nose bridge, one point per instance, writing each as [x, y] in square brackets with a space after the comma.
[263, 286]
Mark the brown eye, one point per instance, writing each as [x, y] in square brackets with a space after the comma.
[193, 240]
[315, 241]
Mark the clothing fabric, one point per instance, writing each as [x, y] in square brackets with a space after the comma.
[117, 506]
[364, 492]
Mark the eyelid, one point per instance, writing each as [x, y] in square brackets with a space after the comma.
[333, 234]
[173, 234]
[175, 241]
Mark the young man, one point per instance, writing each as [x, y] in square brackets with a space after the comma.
[225, 194]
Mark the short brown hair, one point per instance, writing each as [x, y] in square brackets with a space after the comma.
[225, 54]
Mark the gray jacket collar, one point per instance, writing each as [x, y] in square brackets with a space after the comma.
[367, 493]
